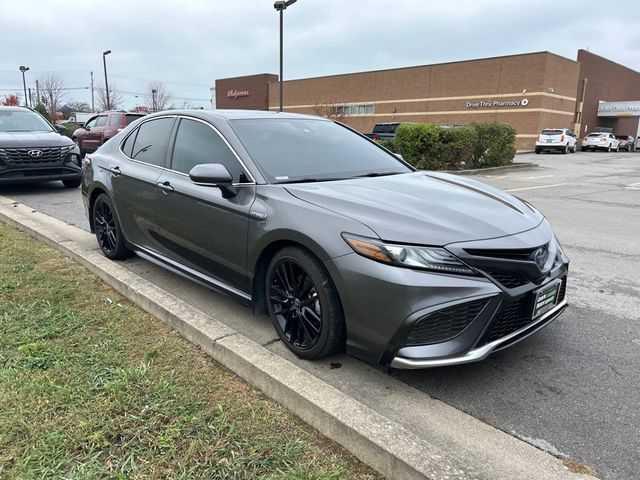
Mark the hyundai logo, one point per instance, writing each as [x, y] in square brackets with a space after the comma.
[35, 153]
[540, 257]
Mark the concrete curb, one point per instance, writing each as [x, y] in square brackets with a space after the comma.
[503, 168]
[385, 445]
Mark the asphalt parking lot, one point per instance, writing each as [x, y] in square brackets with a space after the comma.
[572, 389]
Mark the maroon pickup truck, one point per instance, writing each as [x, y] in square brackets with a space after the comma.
[101, 128]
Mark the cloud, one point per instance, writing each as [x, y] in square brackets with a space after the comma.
[189, 44]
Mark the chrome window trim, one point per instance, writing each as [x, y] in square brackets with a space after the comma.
[213, 127]
[246, 170]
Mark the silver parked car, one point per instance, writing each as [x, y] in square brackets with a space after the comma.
[342, 243]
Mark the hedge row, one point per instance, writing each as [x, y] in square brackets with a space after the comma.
[431, 147]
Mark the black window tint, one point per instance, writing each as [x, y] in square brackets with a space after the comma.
[102, 121]
[127, 146]
[198, 143]
[152, 140]
[132, 118]
[114, 120]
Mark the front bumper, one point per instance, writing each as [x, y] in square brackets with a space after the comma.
[480, 353]
[63, 167]
[417, 319]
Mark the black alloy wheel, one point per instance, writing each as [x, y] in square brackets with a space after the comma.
[303, 304]
[107, 229]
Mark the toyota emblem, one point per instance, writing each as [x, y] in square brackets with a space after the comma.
[540, 257]
[35, 153]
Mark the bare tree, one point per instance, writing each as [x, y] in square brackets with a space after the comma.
[186, 105]
[115, 98]
[52, 89]
[330, 109]
[157, 97]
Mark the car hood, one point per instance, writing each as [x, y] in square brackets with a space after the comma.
[426, 208]
[33, 139]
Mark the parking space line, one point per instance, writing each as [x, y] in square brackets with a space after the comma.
[536, 187]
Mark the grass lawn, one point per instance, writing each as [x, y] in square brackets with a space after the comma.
[93, 387]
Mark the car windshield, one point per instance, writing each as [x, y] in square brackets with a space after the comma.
[551, 132]
[22, 121]
[289, 150]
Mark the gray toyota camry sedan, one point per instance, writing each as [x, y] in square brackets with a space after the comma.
[341, 242]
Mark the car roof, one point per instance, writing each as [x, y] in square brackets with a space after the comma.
[18, 108]
[233, 114]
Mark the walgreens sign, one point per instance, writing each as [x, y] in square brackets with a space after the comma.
[237, 93]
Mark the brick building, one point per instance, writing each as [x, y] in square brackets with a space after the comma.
[530, 92]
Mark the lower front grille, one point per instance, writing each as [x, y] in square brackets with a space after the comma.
[445, 324]
[514, 316]
[517, 315]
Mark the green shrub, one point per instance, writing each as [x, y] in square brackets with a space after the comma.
[388, 143]
[495, 144]
[42, 110]
[430, 147]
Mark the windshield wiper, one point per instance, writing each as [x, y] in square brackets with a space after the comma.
[378, 174]
[308, 180]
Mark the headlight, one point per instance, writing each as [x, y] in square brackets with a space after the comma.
[409, 256]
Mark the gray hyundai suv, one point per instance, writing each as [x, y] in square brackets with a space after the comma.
[340, 241]
[32, 150]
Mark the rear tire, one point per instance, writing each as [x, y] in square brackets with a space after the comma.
[304, 305]
[72, 182]
[565, 150]
[108, 231]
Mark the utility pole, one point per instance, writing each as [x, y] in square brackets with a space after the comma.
[153, 99]
[38, 99]
[93, 105]
[30, 100]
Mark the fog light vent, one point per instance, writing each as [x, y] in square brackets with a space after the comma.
[445, 324]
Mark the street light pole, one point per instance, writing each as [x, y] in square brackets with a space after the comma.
[24, 84]
[106, 83]
[153, 99]
[281, 6]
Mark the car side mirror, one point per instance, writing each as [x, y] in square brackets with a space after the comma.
[86, 127]
[214, 175]
[397, 155]
[61, 129]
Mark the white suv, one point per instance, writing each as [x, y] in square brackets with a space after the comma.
[600, 141]
[556, 139]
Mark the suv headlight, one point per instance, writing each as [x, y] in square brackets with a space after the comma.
[409, 256]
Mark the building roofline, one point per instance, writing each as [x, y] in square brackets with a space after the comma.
[608, 60]
[542, 52]
[247, 76]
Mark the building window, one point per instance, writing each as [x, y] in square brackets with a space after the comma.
[352, 110]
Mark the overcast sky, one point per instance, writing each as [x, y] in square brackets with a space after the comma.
[188, 44]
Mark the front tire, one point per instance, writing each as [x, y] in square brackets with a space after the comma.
[107, 227]
[72, 182]
[303, 304]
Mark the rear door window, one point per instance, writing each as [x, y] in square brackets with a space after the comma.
[115, 120]
[152, 141]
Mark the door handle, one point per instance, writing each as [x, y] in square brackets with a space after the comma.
[115, 170]
[166, 186]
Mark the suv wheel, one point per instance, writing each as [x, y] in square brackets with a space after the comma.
[566, 149]
[107, 228]
[303, 304]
